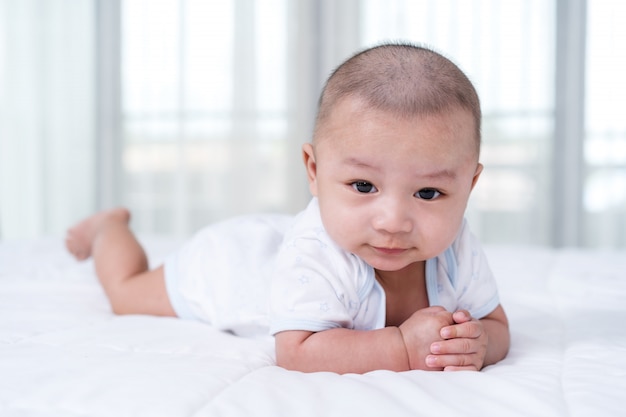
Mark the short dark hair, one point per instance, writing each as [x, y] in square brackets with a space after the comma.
[404, 79]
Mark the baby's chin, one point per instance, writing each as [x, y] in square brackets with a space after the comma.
[390, 263]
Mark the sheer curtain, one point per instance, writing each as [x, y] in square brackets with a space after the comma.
[507, 49]
[217, 98]
[604, 198]
[189, 111]
[46, 115]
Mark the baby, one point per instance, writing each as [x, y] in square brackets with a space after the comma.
[380, 271]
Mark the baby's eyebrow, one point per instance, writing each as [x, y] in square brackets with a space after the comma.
[443, 173]
[360, 163]
[440, 174]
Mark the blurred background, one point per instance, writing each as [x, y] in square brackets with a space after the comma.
[192, 111]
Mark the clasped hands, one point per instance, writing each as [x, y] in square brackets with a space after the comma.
[437, 340]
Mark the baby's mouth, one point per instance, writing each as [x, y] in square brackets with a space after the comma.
[389, 251]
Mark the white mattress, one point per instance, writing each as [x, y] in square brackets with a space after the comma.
[63, 353]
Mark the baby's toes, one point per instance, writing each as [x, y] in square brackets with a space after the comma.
[75, 248]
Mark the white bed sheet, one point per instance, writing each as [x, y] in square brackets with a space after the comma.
[63, 353]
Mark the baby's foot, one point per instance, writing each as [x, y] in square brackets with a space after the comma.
[80, 237]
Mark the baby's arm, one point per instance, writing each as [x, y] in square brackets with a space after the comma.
[471, 344]
[341, 350]
[353, 351]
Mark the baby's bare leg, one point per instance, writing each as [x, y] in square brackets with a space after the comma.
[121, 264]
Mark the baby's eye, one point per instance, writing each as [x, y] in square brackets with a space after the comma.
[427, 194]
[364, 187]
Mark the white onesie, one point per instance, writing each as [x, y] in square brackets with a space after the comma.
[224, 274]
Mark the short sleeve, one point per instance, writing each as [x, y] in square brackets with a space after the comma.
[461, 278]
[316, 285]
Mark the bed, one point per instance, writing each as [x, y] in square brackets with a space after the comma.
[63, 353]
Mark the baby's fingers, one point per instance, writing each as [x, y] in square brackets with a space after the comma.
[454, 362]
[457, 354]
[454, 347]
[461, 316]
[460, 368]
[470, 329]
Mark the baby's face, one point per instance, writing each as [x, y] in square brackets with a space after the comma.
[392, 191]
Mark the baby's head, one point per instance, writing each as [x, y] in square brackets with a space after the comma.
[401, 79]
[395, 154]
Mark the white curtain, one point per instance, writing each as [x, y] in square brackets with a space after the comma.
[190, 111]
[604, 198]
[507, 50]
[46, 115]
[217, 98]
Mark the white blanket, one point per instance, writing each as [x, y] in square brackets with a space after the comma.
[63, 353]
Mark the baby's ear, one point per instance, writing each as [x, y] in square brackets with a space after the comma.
[308, 156]
[479, 170]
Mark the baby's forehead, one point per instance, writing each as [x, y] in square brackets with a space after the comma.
[353, 112]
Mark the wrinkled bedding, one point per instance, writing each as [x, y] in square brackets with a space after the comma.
[63, 353]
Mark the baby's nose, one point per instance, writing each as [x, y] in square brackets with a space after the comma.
[393, 217]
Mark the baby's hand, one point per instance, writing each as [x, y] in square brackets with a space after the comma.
[463, 345]
[421, 331]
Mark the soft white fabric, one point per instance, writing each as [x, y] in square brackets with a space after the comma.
[319, 286]
[460, 278]
[64, 354]
[222, 277]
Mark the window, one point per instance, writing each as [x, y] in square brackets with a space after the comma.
[605, 126]
[191, 111]
[507, 50]
[204, 110]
